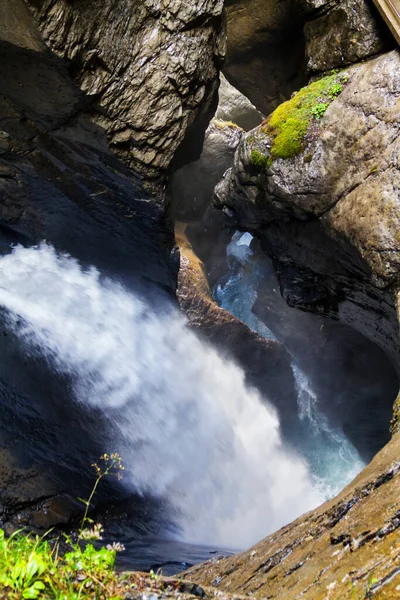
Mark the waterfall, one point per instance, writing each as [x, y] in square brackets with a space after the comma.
[188, 429]
[332, 459]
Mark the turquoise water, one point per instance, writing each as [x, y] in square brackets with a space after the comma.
[332, 458]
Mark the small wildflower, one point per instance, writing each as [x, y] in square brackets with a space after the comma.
[112, 466]
[92, 534]
[116, 546]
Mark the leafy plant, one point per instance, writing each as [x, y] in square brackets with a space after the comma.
[319, 110]
[335, 90]
[32, 566]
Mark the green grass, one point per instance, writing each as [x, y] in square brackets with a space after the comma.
[33, 567]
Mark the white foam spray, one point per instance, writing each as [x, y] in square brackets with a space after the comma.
[188, 429]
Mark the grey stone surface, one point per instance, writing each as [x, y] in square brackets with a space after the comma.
[149, 68]
[330, 215]
[235, 107]
[265, 50]
[339, 33]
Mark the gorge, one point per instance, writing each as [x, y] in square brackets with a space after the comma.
[204, 279]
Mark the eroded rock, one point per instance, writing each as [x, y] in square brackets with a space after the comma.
[348, 548]
[60, 182]
[265, 51]
[328, 215]
[234, 107]
[148, 70]
[193, 184]
[339, 33]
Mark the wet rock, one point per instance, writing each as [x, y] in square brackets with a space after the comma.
[274, 45]
[193, 184]
[328, 215]
[266, 363]
[192, 192]
[148, 70]
[60, 182]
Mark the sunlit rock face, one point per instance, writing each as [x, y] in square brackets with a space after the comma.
[348, 548]
[235, 107]
[148, 70]
[328, 216]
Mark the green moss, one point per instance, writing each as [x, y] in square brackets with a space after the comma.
[259, 160]
[290, 122]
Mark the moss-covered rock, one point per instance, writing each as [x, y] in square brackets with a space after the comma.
[290, 122]
[260, 160]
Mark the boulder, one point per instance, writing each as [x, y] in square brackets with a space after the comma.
[234, 107]
[338, 33]
[265, 50]
[148, 70]
[193, 184]
[318, 184]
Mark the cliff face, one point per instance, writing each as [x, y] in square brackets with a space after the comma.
[148, 70]
[338, 33]
[318, 183]
[273, 46]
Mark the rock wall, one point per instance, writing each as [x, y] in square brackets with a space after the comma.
[328, 213]
[275, 45]
[265, 50]
[60, 182]
[148, 70]
[339, 33]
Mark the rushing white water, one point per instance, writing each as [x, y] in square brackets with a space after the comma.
[335, 462]
[188, 429]
[332, 458]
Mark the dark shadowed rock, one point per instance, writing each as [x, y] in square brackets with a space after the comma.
[265, 51]
[193, 184]
[60, 182]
